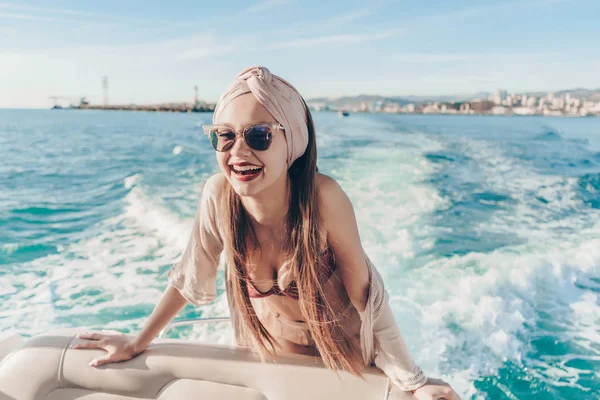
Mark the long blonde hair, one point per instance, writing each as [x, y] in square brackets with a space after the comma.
[304, 239]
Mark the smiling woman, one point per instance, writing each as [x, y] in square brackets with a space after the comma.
[297, 277]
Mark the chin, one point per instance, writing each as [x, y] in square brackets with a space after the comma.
[246, 189]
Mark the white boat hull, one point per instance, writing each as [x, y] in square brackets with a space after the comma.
[45, 367]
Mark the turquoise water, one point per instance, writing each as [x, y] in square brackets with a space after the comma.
[486, 230]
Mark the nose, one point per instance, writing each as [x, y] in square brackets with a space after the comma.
[240, 148]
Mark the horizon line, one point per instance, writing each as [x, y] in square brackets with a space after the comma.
[312, 98]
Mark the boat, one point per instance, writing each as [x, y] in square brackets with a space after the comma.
[343, 113]
[46, 367]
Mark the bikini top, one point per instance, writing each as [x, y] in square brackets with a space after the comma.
[291, 290]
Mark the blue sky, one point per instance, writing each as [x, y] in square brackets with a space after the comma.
[154, 52]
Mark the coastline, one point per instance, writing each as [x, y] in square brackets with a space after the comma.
[569, 103]
[188, 108]
[168, 107]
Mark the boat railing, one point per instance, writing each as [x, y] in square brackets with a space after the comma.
[192, 321]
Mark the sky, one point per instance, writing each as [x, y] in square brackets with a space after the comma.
[153, 52]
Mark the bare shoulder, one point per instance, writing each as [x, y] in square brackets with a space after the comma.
[214, 184]
[329, 188]
[343, 237]
[334, 202]
[216, 180]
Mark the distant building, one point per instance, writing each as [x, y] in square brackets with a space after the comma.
[523, 110]
[432, 108]
[391, 108]
[500, 110]
[479, 105]
[510, 101]
[410, 108]
[499, 97]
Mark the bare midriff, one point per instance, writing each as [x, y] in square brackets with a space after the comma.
[282, 317]
[291, 347]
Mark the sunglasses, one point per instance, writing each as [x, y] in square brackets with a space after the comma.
[257, 136]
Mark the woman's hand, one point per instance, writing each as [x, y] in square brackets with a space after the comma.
[435, 389]
[118, 346]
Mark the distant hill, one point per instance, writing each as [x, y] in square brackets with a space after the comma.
[356, 101]
[581, 93]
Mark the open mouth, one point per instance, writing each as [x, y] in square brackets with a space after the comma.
[245, 170]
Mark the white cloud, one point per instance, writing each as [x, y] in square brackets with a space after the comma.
[31, 17]
[481, 73]
[490, 58]
[147, 72]
[452, 18]
[335, 39]
[327, 24]
[429, 58]
[267, 5]
[12, 6]
[346, 18]
[11, 11]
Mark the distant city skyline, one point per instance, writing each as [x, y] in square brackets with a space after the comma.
[152, 53]
[571, 103]
[464, 96]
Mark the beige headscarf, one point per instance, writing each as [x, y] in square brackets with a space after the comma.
[281, 100]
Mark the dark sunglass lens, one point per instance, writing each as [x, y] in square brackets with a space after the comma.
[222, 140]
[214, 139]
[259, 137]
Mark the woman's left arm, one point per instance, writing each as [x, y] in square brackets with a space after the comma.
[343, 237]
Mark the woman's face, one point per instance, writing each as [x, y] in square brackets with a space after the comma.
[242, 111]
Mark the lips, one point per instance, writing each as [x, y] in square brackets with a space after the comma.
[245, 171]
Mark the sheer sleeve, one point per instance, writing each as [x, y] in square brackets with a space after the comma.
[382, 340]
[196, 272]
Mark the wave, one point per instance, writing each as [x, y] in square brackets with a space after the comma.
[484, 310]
[550, 134]
[45, 210]
[483, 320]
[589, 189]
[18, 253]
[132, 180]
[153, 218]
[111, 278]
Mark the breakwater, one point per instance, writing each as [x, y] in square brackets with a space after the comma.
[166, 107]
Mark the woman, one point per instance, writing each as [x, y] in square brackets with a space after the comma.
[297, 277]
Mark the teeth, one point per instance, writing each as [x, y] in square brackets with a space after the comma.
[245, 167]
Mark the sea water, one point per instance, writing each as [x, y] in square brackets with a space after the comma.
[486, 230]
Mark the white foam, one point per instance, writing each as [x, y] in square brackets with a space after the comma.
[490, 297]
[130, 181]
[9, 248]
[177, 150]
[389, 194]
[530, 217]
[6, 286]
[585, 322]
[114, 269]
[156, 219]
[468, 314]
